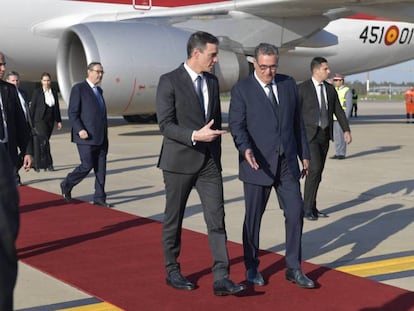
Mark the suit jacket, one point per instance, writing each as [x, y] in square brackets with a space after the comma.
[253, 124]
[179, 114]
[9, 227]
[85, 113]
[38, 106]
[17, 128]
[310, 108]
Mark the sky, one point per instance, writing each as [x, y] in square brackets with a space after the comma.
[403, 72]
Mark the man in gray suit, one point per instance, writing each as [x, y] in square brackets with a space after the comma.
[189, 116]
[267, 127]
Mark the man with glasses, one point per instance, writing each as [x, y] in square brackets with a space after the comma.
[13, 77]
[345, 99]
[266, 123]
[87, 115]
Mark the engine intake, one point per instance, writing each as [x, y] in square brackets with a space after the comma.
[134, 54]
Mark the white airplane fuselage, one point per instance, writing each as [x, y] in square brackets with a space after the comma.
[61, 37]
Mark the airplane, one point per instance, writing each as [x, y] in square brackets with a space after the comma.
[138, 40]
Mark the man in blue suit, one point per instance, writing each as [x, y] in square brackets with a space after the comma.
[267, 127]
[87, 114]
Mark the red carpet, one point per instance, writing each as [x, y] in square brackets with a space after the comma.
[118, 258]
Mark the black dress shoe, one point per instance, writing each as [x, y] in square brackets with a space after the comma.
[255, 277]
[340, 157]
[178, 281]
[102, 203]
[226, 287]
[334, 157]
[297, 276]
[310, 216]
[321, 214]
[67, 196]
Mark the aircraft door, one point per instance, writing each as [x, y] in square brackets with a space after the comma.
[142, 4]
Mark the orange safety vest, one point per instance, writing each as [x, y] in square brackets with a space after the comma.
[409, 101]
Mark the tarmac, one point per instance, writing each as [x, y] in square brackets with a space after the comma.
[369, 197]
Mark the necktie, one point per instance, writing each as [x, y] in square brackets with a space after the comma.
[99, 97]
[323, 112]
[273, 99]
[275, 105]
[199, 91]
[2, 136]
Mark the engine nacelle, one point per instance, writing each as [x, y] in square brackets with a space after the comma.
[134, 55]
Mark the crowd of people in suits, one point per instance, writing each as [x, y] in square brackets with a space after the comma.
[273, 122]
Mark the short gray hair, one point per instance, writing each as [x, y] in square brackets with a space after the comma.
[265, 49]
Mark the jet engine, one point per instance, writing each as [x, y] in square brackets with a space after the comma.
[133, 54]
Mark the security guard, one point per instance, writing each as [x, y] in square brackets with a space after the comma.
[345, 98]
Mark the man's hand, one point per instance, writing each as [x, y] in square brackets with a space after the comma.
[206, 134]
[249, 156]
[83, 134]
[27, 162]
[348, 137]
[305, 168]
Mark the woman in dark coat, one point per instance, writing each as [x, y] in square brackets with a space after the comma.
[45, 111]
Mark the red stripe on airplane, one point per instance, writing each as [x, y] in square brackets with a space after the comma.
[368, 17]
[162, 3]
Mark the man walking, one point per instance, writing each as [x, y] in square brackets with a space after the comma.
[87, 115]
[266, 124]
[319, 101]
[189, 116]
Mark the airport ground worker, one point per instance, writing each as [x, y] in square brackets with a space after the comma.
[409, 103]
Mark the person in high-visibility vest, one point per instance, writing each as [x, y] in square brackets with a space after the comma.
[354, 111]
[345, 98]
[409, 103]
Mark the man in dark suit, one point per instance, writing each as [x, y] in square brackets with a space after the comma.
[13, 77]
[14, 130]
[267, 127]
[9, 227]
[319, 102]
[87, 115]
[189, 116]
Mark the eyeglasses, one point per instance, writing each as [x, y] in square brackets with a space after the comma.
[98, 71]
[335, 80]
[266, 67]
[2, 64]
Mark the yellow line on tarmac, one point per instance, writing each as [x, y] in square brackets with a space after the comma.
[102, 306]
[380, 267]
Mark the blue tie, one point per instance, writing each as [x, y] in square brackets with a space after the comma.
[273, 99]
[99, 98]
[200, 96]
